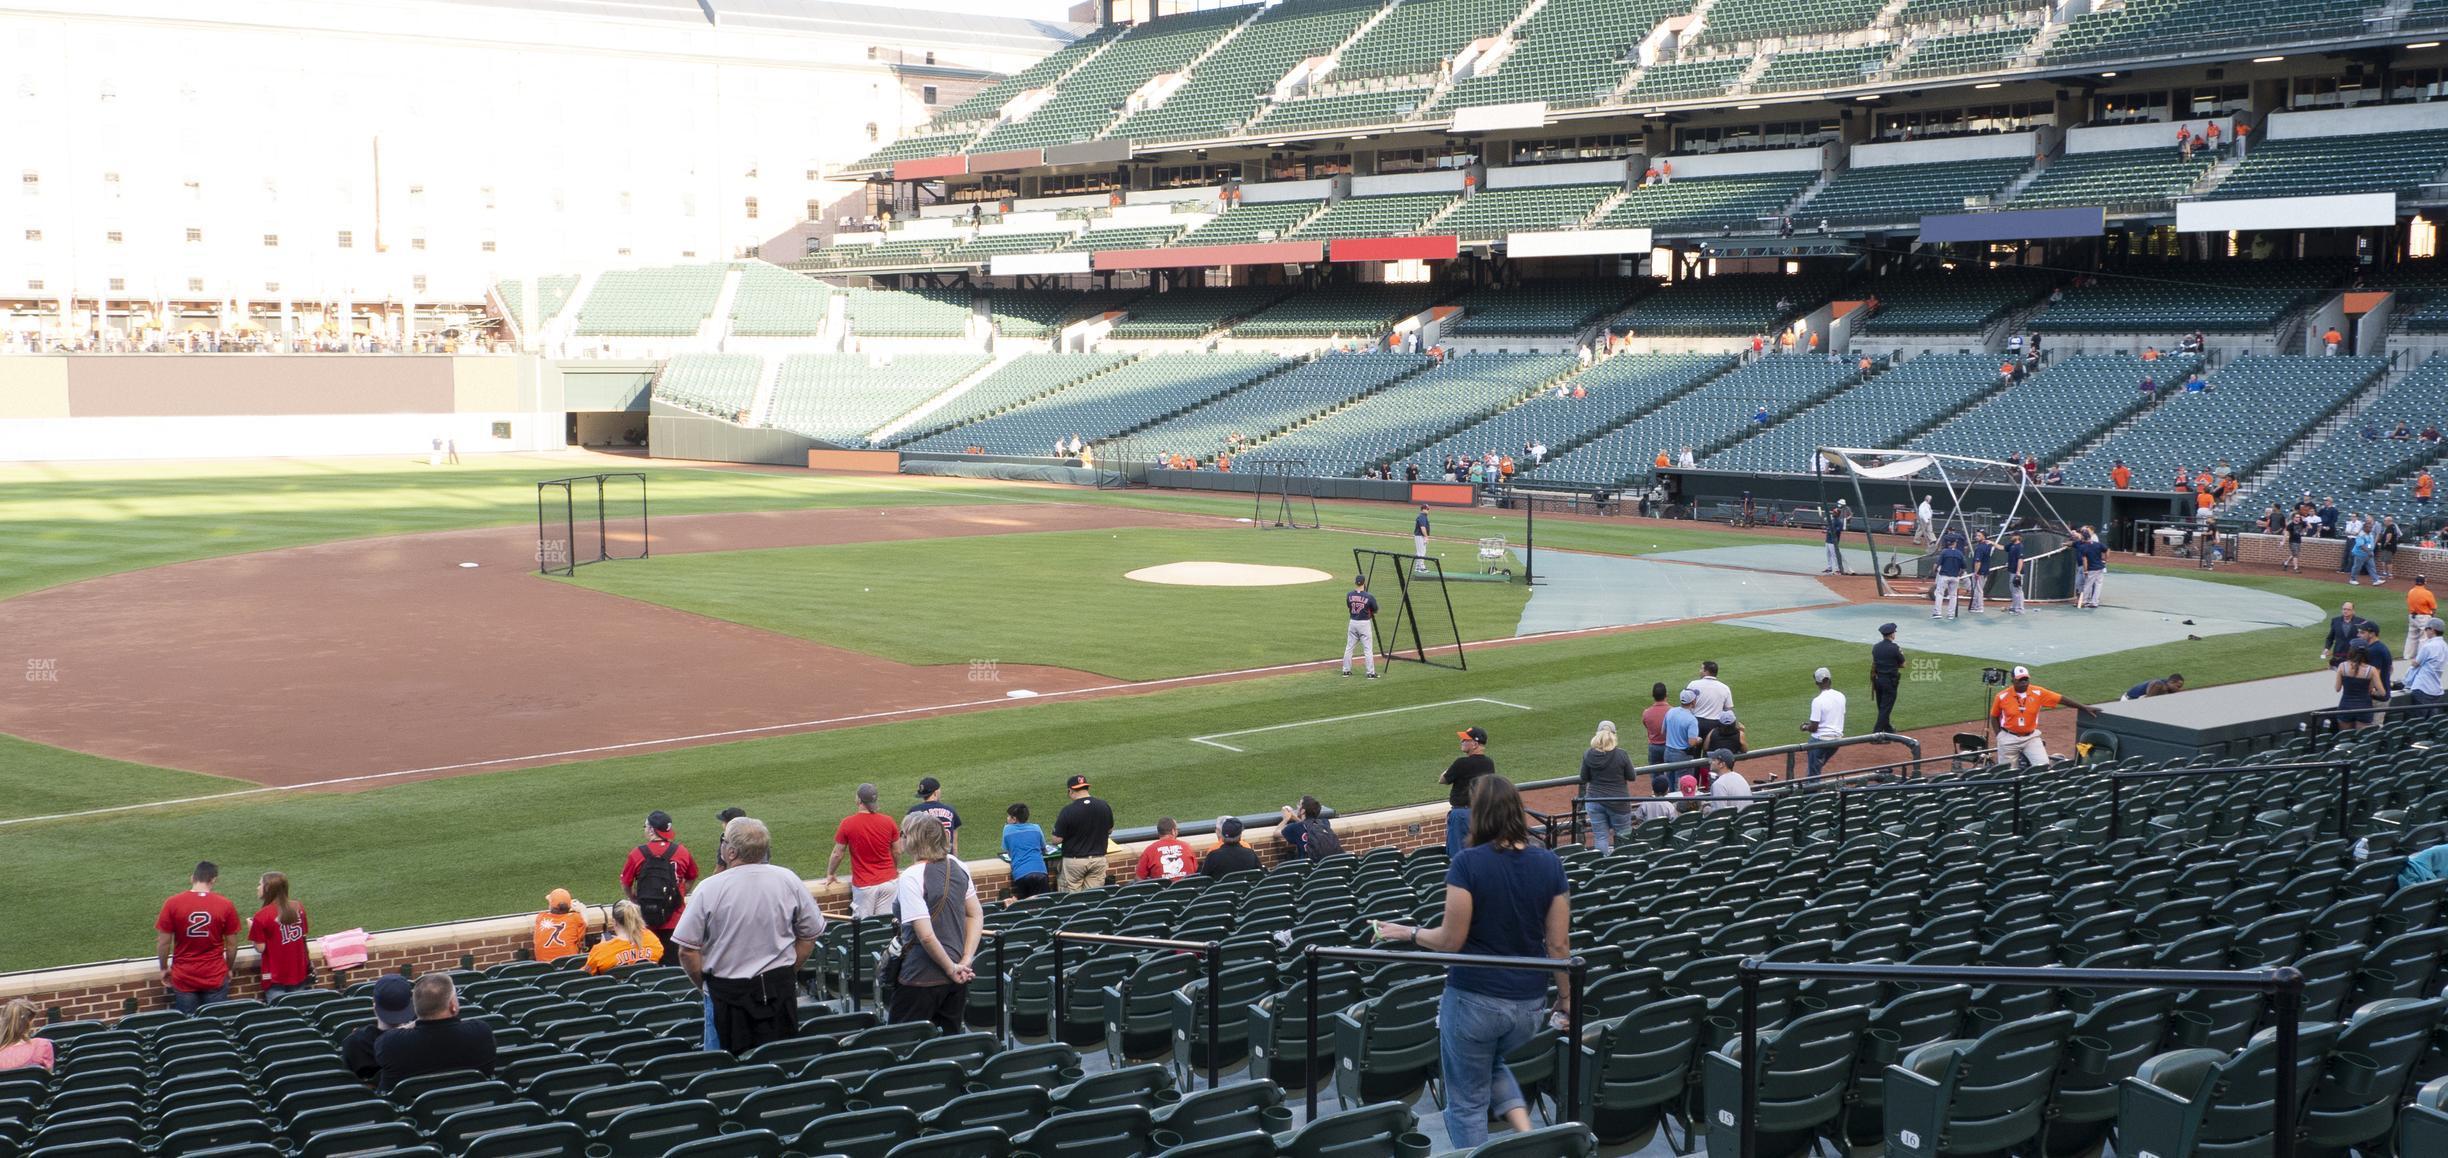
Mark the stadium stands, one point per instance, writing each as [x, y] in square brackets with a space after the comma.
[1615, 391]
[1352, 310]
[2231, 296]
[910, 313]
[1733, 305]
[1885, 410]
[1085, 102]
[1898, 193]
[1535, 308]
[1971, 52]
[2052, 413]
[1243, 224]
[1120, 400]
[1036, 313]
[1570, 53]
[670, 302]
[1964, 300]
[1366, 106]
[1023, 379]
[1714, 415]
[1224, 90]
[841, 397]
[1388, 216]
[2106, 33]
[1193, 313]
[1707, 203]
[1388, 424]
[1827, 68]
[2398, 163]
[1491, 213]
[956, 126]
[977, 250]
[2256, 405]
[1688, 80]
[723, 385]
[552, 292]
[772, 302]
[1123, 237]
[1737, 21]
[1280, 402]
[1418, 36]
[2365, 472]
[2132, 180]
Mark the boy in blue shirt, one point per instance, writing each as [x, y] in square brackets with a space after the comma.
[1024, 845]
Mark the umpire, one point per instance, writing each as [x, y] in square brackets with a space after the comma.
[1886, 671]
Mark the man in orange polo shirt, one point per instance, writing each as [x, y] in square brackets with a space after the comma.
[2423, 485]
[2014, 720]
[2121, 475]
[2420, 605]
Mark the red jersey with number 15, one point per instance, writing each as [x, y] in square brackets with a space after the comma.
[283, 946]
[198, 924]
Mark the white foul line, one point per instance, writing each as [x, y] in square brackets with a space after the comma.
[1211, 738]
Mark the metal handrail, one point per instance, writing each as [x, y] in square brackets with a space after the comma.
[2116, 785]
[1569, 1104]
[1210, 953]
[2284, 985]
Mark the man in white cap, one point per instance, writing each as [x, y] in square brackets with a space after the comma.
[2423, 679]
[1827, 720]
[2014, 720]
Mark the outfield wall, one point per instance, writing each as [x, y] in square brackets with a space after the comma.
[150, 406]
[111, 990]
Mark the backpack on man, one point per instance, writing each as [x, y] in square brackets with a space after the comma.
[1319, 841]
[658, 885]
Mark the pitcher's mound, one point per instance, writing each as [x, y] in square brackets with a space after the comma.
[1201, 574]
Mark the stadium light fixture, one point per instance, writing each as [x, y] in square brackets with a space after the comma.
[1744, 108]
[2425, 44]
[1989, 84]
[2106, 75]
[2267, 59]
[1868, 96]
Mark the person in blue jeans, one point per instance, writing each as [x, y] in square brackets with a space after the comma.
[1506, 897]
[1472, 764]
[1682, 730]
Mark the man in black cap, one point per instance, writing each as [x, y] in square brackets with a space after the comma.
[1886, 671]
[1085, 829]
[930, 799]
[394, 1008]
[658, 875]
[1835, 539]
[1229, 855]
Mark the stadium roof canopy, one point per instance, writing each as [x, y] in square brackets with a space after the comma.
[821, 17]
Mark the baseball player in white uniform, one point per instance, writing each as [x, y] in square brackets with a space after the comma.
[1362, 631]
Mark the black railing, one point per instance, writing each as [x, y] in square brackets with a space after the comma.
[2014, 784]
[1580, 811]
[2283, 985]
[1789, 751]
[1568, 1102]
[1210, 953]
[2344, 770]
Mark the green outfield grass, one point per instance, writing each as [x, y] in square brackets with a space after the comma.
[1057, 598]
[494, 843]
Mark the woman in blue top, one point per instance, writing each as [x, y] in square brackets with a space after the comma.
[1504, 897]
[1024, 845]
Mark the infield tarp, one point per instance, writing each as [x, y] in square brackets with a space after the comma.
[2137, 611]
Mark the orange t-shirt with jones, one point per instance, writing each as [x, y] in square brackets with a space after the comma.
[2019, 712]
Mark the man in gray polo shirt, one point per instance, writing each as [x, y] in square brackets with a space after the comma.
[743, 937]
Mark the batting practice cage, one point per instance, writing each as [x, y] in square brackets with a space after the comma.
[1415, 620]
[590, 518]
[1905, 561]
[1287, 493]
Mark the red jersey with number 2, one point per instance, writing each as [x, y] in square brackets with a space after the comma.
[199, 925]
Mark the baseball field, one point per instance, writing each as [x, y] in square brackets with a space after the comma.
[351, 672]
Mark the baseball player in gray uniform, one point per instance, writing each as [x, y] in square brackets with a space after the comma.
[1419, 542]
[1362, 632]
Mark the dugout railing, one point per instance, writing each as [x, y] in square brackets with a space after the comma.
[2283, 986]
[1211, 958]
[1575, 968]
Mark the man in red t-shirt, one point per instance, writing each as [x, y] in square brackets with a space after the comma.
[195, 944]
[1170, 858]
[660, 846]
[871, 838]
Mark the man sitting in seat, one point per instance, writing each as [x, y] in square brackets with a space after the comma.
[439, 1041]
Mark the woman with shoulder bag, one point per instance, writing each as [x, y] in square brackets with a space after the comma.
[941, 921]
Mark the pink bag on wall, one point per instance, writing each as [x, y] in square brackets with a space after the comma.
[345, 949]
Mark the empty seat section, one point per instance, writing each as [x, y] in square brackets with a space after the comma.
[1965, 300]
[1491, 213]
[1023, 379]
[724, 385]
[1533, 308]
[1729, 305]
[2230, 296]
[670, 302]
[2138, 24]
[775, 303]
[2365, 472]
[1715, 414]
[1419, 36]
[1827, 68]
[1417, 410]
[984, 246]
[1570, 54]
[1036, 313]
[1357, 311]
[1224, 91]
[2127, 179]
[841, 397]
[925, 313]
[1972, 52]
[1613, 392]
[1244, 224]
[552, 292]
[2400, 163]
[955, 127]
[894, 250]
[1192, 313]
[1123, 399]
[1687, 80]
[1363, 106]
[2255, 405]
[1735, 21]
[1884, 410]
[2047, 415]
[1706, 203]
[914, 147]
[1276, 403]
[1085, 102]
[1096, 240]
[1896, 193]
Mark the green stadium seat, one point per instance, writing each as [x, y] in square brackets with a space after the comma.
[1377, 1130]
[1085, 101]
[1097, 1133]
[1223, 92]
[669, 302]
[974, 1142]
[1490, 214]
[2202, 1101]
[1903, 193]
[1806, 1067]
[1011, 1110]
[1568, 1140]
[1985, 1095]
